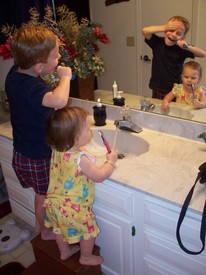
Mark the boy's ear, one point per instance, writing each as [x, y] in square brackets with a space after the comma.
[38, 68]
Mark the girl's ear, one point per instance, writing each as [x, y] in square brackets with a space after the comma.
[38, 68]
[76, 140]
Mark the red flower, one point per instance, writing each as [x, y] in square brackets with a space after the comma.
[103, 38]
[71, 50]
[5, 50]
[97, 30]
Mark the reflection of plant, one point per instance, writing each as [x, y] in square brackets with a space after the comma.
[78, 40]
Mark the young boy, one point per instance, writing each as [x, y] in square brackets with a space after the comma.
[36, 52]
[169, 54]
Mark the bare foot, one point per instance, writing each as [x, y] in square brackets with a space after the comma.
[47, 235]
[72, 249]
[91, 260]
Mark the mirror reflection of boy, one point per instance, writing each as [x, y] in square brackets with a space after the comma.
[188, 92]
[169, 54]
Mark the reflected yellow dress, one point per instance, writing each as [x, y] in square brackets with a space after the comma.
[70, 198]
[187, 98]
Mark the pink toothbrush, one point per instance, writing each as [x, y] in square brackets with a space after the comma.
[193, 88]
[106, 143]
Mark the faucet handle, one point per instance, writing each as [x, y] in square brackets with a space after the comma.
[144, 101]
[126, 113]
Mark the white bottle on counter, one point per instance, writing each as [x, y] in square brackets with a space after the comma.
[114, 89]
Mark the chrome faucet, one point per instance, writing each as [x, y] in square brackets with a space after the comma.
[146, 105]
[126, 122]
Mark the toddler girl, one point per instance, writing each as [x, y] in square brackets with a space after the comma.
[70, 194]
[188, 92]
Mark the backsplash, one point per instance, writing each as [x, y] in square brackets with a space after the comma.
[174, 126]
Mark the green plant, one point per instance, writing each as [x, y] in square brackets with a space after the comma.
[79, 41]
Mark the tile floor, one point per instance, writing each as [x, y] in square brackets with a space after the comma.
[24, 252]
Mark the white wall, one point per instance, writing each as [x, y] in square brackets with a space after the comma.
[5, 66]
[118, 22]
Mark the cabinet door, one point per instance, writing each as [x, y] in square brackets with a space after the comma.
[115, 241]
[158, 248]
[23, 196]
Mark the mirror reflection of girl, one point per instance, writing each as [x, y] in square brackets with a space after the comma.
[188, 92]
[70, 195]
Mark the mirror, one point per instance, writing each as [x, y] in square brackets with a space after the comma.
[123, 62]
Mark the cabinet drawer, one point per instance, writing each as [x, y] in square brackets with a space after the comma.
[163, 217]
[166, 253]
[23, 213]
[24, 196]
[114, 196]
[6, 151]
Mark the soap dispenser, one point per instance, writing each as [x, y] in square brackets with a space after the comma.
[119, 100]
[99, 113]
[114, 89]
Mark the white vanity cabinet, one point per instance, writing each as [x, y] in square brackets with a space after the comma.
[156, 248]
[21, 199]
[114, 213]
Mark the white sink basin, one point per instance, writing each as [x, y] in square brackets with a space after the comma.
[174, 111]
[127, 143]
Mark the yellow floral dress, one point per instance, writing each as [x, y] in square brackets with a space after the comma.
[70, 198]
[187, 98]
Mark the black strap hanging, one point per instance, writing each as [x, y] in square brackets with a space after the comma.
[202, 177]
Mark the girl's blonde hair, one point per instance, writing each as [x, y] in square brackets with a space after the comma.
[195, 66]
[63, 126]
[31, 45]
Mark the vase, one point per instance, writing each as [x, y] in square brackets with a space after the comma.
[83, 88]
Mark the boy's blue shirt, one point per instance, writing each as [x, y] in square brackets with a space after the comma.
[167, 63]
[25, 94]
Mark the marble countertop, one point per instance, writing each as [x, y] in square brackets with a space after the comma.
[167, 169]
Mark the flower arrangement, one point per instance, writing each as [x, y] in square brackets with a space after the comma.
[79, 41]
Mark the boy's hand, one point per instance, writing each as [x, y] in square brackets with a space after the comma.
[64, 71]
[172, 25]
[169, 26]
[182, 44]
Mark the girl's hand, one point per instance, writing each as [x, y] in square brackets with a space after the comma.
[196, 103]
[165, 106]
[112, 156]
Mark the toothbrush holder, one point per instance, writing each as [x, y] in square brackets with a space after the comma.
[99, 114]
[119, 101]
